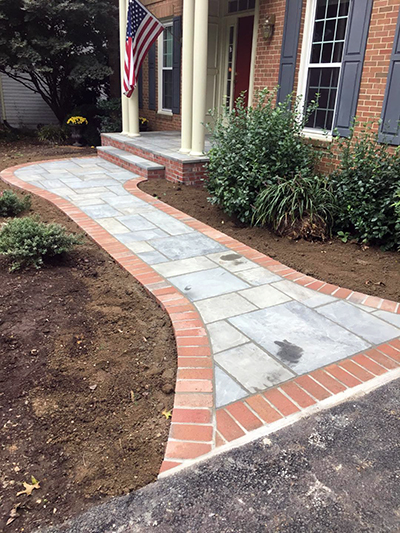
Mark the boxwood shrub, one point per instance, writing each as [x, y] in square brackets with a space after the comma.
[27, 241]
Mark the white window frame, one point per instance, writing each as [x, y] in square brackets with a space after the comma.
[160, 46]
[305, 61]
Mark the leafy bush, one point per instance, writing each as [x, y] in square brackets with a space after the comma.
[27, 241]
[11, 205]
[53, 134]
[397, 210]
[365, 185]
[299, 207]
[253, 147]
[110, 115]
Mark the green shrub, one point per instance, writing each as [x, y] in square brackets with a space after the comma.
[53, 134]
[397, 210]
[11, 205]
[299, 207]
[365, 185]
[253, 147]
[27, 241]
[110, 115]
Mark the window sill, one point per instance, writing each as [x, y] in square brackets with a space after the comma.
[317, 136]
[165, 112]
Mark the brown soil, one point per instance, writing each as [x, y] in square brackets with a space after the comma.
[27, 150]
[365, 269]
[88, 364]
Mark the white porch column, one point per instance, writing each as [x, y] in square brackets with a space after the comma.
[122, 37]
[187, 76]
[254, 52]
[199, 75]
[133, 107]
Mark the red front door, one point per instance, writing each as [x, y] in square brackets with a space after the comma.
[243, 56]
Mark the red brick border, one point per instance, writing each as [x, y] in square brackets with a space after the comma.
[192, 425]
[193, 432]
[235, 420]
[264, 260]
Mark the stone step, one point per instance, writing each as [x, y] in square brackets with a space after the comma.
[138, 165]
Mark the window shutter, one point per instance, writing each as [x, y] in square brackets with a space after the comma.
[140, 87]
[152, 77]
[352, 65]
[290, 44]
[176, 64]
[389, 128]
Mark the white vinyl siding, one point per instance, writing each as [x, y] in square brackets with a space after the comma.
[22, 106]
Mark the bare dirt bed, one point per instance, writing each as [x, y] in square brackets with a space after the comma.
[87, 368]
[365, 269]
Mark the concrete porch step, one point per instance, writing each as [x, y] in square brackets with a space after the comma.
[134, 163]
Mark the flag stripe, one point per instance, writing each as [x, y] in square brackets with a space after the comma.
[142, 30]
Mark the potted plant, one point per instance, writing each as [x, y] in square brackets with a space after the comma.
[143, 124]
[77, 125]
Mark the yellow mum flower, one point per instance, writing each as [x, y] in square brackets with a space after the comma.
[77, 121]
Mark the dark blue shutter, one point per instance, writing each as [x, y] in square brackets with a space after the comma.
[152, 77]
[176, 64]
[352, 65]
[140, 86]
[290, 44]
[389, 128]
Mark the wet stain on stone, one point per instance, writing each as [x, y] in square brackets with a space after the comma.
[231, 257]
[289, 352]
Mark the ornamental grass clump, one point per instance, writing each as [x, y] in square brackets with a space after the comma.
[28, 242]
[255, 147]
[12, 205]
[300, 207]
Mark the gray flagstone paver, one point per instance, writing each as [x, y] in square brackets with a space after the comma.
[263, 329]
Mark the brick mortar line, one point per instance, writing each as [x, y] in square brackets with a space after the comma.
[121, 254]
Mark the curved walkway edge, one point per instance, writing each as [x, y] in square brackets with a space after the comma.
[198, 426]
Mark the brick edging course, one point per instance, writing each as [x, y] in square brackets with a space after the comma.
[264, 260]
[192, 425]
[235, 420]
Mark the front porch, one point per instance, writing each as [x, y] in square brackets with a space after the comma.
[155, 154]
[208, 52]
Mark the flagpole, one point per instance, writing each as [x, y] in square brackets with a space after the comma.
[122, 38]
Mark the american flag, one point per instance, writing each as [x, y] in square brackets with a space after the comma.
[142, 30]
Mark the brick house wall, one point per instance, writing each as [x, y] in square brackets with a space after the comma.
[376, 63]
[375, 69]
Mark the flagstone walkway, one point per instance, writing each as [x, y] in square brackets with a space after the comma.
[264, 326]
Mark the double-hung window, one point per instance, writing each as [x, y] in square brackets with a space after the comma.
[330, 19]
[165, 68]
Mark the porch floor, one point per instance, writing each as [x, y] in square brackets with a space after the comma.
[161, 143]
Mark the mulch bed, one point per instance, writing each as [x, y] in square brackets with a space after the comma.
[360, 268]
[88, 363]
